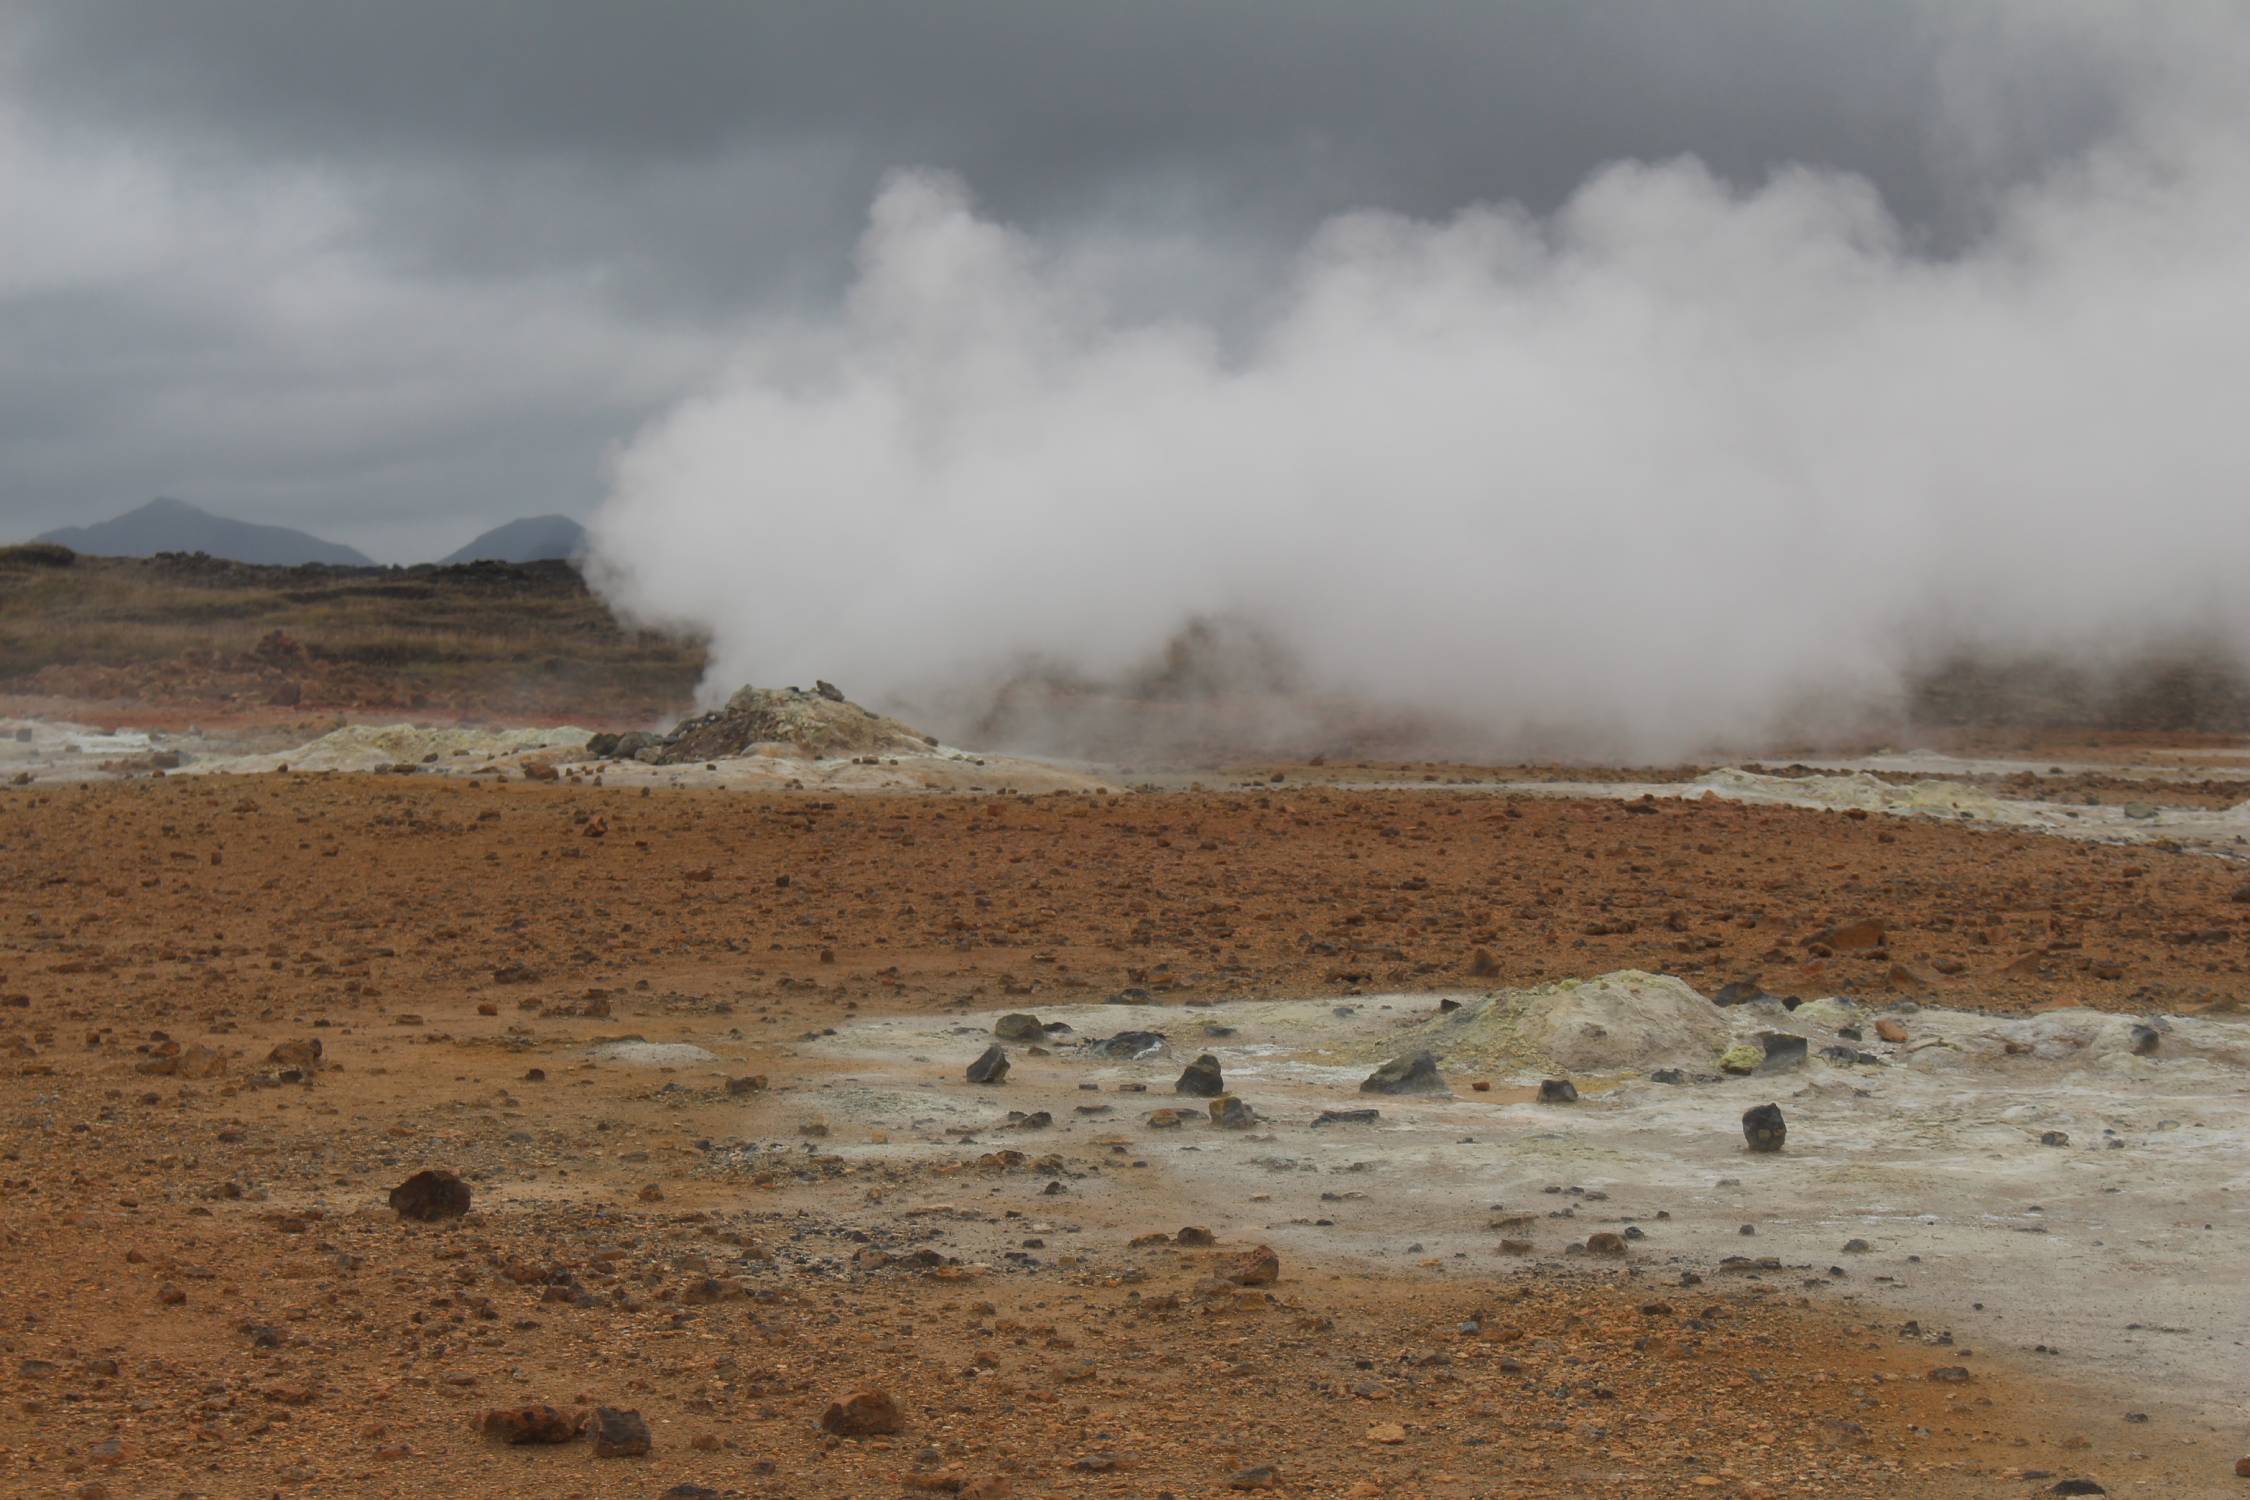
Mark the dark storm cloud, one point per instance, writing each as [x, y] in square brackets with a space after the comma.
[392, 271]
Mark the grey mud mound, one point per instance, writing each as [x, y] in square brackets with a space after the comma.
[821, 724]
[1932, 1164]
[1625, 1023]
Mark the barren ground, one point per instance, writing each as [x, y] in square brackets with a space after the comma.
[205, 1293]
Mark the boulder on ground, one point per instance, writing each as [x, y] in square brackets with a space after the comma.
[1763, 1127]
[619, 1434]
[1128, 1046]
[430, 1195]
[1416, 1073]
[1230, 1113]
[536, 1423]
[867, 1414]
[1258, 1267]
[1201, 1079]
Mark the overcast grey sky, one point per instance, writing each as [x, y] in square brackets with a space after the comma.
[397, 271]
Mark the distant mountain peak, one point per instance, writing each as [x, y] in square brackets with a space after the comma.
[526, 539]
[166, 524]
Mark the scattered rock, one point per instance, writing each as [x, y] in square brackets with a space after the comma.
[430, 1195]
[1482, 965]
[1201, 1079]
[2054, 1138]
[1780, 1051]
[1852, 937]
[1603, 1242]
[1763, 1127]
[304, 1054]
[1557, 1091]
[1019, 1027]
[1417, 1074]
[1346, 1117]
[1128, 1046]
[1258, 1267]
[2075, 1487]
[1889, 1030]
[991, 1066]
[619, 1434]
[1230, 1113]
[530, 1424]
[2144, 1039]
[868, 1414]
[1256, 1477]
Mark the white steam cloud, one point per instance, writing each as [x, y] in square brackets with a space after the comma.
[1654, 466]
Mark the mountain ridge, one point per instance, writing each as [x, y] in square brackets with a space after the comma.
[544, 538]
[166, 524]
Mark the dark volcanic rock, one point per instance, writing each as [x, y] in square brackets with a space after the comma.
[1557, 1091]
[304, 1054]
[530, 1424]
[1346, 1117]
[1417, 1074]
[619, 1434]
[1201, 1078]
[868, 1414]
[1782, 1051]
[991, 1066]
[1763, 1127]
[1128, 1045]
[1230, 1113]
[1019, 1027]
[1737, 992]
[431, 1195]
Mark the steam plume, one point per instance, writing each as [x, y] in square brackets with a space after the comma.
[1655, 467]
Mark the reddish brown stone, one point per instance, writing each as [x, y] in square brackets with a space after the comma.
[868, 1414]
[530, 1424]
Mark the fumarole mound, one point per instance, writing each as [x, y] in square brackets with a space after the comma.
[820, 723]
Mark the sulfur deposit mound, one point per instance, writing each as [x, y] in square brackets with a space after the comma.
[822, 723]
[392, 747]
[1626, 1022]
